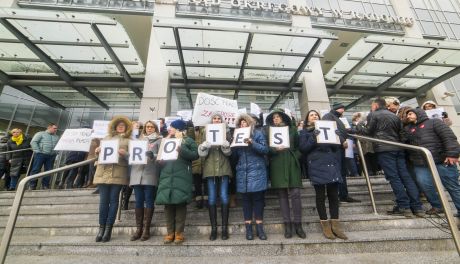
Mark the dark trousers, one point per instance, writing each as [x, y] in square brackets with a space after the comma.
[175, 217]
[294, 194]
[406, 192]
[145, 194]
[253, 204]
[332, 195]
[41, 160]
[198, 183]
[371, 163]
[68, 178]
[343, 187]
[108, 203]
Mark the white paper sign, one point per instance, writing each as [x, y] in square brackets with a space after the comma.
[279, 137]
[239, 135]
[109, 152]
[137, 150]
[435, 113]
[170, 119]
[100, 128]
[215, 134]
[242, 111]
[186, 115]
[255, 109]
[349, 150]
[207, 104]
[345, 122]
[168, 149]
[158, 123]
[75, 140]
[265, 118]
[327, 132]
[288, 112]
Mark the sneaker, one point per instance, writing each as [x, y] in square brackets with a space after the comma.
[434, 211]
[398, 211]
[419, 213]
[348, 199]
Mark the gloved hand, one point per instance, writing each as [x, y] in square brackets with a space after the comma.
[337, 132]
[316, 132]
[205, 146]
[149, 154]
[225, 144]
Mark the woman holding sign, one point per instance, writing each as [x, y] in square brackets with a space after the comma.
[323, 162]
[110, 178]
[285, 169]
[175, 186]
[251, 175]
[144, 180]
[217, 171]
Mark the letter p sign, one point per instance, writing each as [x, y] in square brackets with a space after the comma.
[109, 152]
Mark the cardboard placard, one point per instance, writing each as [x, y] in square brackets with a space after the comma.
[435, 113]
[345, 122]
[168, 149]
[279, 137]
[109, 152]
[206, 105]
[100, 128]
[216, 134]
[75, 140]
[239, 135]
[349, 150]
[186, 115]
[255, 109]
[327, 133]
[137, 150]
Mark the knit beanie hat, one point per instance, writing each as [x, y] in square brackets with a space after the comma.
[179, 125]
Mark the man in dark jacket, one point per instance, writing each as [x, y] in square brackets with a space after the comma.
[383, 124]
[334, 115]
[439, 139]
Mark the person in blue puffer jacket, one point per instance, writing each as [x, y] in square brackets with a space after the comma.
[251, 176]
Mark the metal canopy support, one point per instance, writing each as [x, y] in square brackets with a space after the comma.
[299, 71]
[4, 78]
[223, 66]
[57, 69]
[243, 64]
[383, 86]
[66, 43]
[182, 64]
[431, 64]
[115, 59]
[355, 69]
[67, 61]
[57, 20]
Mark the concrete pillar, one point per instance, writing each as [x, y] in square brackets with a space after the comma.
[437, 93]
[8, 3]
[156, 101]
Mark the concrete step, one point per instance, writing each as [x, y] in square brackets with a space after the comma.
[389, 240]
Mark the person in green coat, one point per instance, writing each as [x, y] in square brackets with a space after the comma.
[285, 174]
[175, 184]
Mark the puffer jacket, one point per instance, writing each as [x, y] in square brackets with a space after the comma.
[147, 174]
[44, 142]
[18, 158]
[383, 124]
[434, 135]
[175, 185]
[323, 159]
[116, 173]
[251, 171]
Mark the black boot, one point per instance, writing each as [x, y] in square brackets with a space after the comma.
[213, 219]
[100, 233]
[287, 230]
[260, 231]
[299, 230]
[249, 235]
[224, 221]
[107, 233]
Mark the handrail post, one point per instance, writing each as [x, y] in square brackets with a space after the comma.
[120, 198]
[366, 176]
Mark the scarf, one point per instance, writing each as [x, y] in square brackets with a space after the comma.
[18, 139]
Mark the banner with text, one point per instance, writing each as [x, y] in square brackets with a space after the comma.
[239, 135]
[215, 134]
[279, 137]
[109, 152]
[207, 104]
[137, 150]
[327, 133]
[168, 149]
[75, 140]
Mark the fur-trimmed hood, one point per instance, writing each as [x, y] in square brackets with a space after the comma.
[286, 119]
[115, 121]
[429, 102]
[251, 122]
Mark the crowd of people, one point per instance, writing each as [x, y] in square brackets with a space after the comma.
[212, 175]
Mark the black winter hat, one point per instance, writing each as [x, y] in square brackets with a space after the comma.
[337, 105]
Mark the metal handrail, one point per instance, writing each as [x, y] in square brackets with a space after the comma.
[9, 228]
[12, 151]
[434, 173]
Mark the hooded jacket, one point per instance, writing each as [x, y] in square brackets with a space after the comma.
[251, 171]
[147, 174]
[434, 135]
[116, 173]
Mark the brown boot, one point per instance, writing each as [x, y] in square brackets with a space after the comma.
[179, 238]
[139, 221]
[168, 239]
[327, 230]
[337, 229]
[147, 222]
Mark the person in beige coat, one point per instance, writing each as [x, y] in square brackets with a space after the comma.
[110, 178]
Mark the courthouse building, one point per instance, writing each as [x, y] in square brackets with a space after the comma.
[74, 61]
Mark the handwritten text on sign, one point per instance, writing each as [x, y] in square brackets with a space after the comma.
[75, 140]
[279, 137]
[215, 134]
[100, 128]
[137, 150]
[109, 152]
[240, 135]
[168, 149]
[206, 105]
[327, 132]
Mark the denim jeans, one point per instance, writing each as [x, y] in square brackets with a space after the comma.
[253, 204]
[39, 161]
[213, 184]
[343, 187]
[449, 178]
[352, 168]
[108, 203]
[145, 194]
[394, 166]
[13, 182]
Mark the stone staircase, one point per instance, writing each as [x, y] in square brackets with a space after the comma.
[59, 226]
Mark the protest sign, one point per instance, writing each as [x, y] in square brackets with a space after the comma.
[137, 150]
[279, 137]
[186, 115]
[109, 152]
[345, 122]
[158, 123]
[170, 119]
[349, 150]
[327, 132]
[265, 118]
[242, 111]
[239, 135]
[75, 140]
[100, 128]
[207, 104]
[216, 134]
[435, 113]
[168, 149]
[255, 109]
